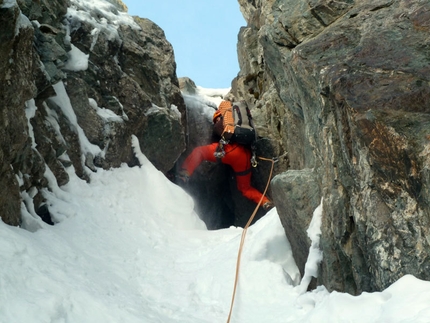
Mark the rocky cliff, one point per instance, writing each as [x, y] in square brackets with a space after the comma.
[339, 90]
[344, 88]
[77, 82]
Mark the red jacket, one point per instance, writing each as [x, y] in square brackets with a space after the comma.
[237, 156]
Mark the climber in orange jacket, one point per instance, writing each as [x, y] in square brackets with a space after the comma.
[237, 156]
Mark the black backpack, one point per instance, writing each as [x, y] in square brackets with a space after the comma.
[236, 124]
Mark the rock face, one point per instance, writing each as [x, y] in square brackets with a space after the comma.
[77, 83]
[340, 91]
[344, 89]
[15, 67]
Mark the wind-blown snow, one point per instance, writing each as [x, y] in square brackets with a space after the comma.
[204, 101]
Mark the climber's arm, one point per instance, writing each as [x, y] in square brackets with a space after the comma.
[198, 155]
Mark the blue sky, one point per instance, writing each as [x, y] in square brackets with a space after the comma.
[203, 35]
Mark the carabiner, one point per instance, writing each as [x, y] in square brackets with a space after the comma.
[254, 162]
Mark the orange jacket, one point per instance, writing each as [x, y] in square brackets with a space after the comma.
[237, 156]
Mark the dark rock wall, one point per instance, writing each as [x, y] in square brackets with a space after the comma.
[352, 79]
[55, 115]
[16, 50]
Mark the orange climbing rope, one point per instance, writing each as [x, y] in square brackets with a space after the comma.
[242, 240]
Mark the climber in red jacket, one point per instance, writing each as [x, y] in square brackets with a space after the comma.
[237, 156]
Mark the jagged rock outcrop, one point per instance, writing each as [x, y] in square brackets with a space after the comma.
[348, 85]
[77, 83]
[16, 40]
